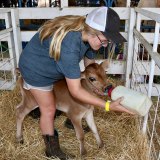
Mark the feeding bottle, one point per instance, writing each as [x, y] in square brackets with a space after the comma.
[134, 101]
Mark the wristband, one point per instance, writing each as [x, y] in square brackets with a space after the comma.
[107, 106]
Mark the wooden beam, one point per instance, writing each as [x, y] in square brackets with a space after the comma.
[50, 13]
[148, 14]
[154, 55]
[5, 31]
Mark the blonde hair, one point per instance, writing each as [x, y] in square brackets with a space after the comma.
[59, 27]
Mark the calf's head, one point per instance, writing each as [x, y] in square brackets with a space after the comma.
[96, 78]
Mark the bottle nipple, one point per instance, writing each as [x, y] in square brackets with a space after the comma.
[108, 90]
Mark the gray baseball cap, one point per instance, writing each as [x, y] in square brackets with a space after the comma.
[107, 21]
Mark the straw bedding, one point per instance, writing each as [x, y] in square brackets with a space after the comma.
[120, 133]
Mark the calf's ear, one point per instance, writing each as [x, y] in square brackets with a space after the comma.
[83, 76]
[105, 64]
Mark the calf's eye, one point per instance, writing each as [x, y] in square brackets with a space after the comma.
[92, 79]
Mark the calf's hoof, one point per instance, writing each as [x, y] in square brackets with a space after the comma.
[101, 145]
[20, 140]
[83, 152]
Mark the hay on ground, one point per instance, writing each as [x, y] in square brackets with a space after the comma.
[120, 133]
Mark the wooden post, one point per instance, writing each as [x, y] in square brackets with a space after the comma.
[16, 33]
[128, 3]
[130, 48]
[11, 50]
[64, 3]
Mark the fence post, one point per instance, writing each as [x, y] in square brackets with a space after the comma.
[16, 33]
[64, 3]
[128, 3]
[136, 43]
[130, 47]
[11, 49]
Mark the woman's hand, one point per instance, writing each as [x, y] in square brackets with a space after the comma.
[116, 106]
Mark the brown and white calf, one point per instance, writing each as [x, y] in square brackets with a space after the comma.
[93, 79]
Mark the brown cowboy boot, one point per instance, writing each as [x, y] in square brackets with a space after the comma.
[53, 148]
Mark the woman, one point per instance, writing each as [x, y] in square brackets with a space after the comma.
[54, 53]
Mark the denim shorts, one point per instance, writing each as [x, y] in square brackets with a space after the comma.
[28, 87]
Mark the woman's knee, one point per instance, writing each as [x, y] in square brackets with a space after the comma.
[48, 111]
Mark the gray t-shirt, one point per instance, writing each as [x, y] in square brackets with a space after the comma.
[39, 69]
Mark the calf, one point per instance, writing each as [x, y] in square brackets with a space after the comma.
[93, 79]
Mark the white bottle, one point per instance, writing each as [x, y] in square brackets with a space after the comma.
[134, 101]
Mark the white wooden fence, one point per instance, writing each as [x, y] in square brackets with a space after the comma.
[147, 69]
[131, 67]
[8, 59]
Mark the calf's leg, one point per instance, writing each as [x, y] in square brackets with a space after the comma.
[91, 123]
[21, 112]
[79, 132]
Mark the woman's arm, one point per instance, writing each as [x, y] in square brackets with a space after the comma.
[78, 92]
